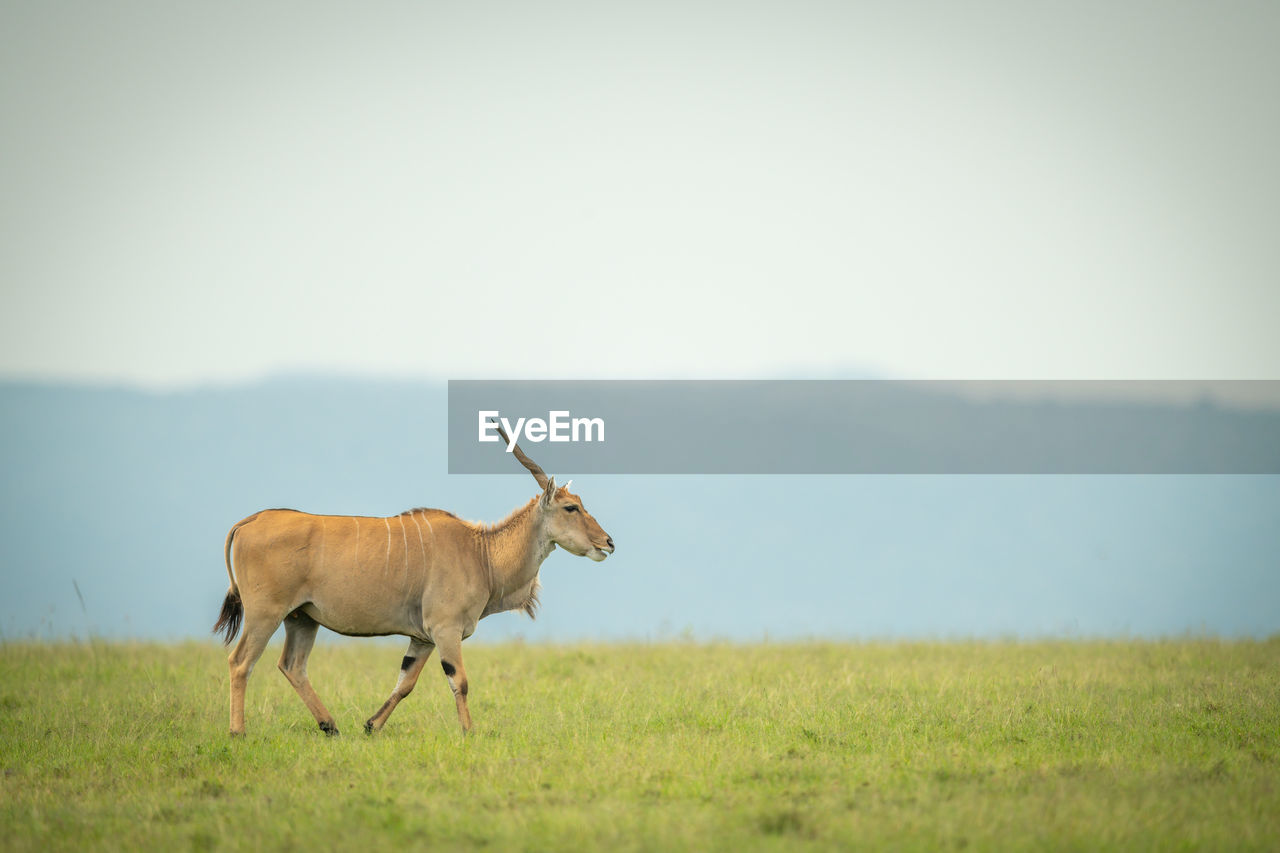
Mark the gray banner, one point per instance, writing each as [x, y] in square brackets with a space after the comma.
[868, 427]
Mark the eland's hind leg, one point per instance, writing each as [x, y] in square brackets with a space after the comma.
[410, 669]
[299, 636]
[258, 629]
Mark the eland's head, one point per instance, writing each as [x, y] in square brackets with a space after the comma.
[565, 520]
[569, 525]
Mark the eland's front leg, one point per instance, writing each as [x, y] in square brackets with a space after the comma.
[451, 662]
[410, 669]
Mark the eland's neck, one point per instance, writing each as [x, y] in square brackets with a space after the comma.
[513, 549]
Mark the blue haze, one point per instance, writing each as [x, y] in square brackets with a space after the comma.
[127, 495]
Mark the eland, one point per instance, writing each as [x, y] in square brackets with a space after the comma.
[425, 574]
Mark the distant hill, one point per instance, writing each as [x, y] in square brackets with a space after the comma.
[127, 495]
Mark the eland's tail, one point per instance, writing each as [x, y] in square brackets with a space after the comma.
[229, 620]
[232, 609]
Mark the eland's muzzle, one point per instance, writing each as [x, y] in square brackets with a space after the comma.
[598, 553]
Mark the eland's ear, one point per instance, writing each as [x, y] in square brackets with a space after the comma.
[549, 493]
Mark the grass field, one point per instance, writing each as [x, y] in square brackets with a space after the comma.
[1083, 745]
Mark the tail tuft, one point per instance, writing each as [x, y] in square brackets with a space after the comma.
[229, 620]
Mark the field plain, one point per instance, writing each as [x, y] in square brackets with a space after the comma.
[1044, 745]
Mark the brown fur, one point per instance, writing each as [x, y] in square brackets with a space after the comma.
[425, 574]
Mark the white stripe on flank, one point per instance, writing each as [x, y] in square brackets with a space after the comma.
[386, 566]
[405, 537]
[421, 544]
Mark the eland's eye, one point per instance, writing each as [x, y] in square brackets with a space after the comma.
[570, 508]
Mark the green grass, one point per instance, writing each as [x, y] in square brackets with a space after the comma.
[1082, 745]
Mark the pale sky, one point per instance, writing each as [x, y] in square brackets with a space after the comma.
[202, 193]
